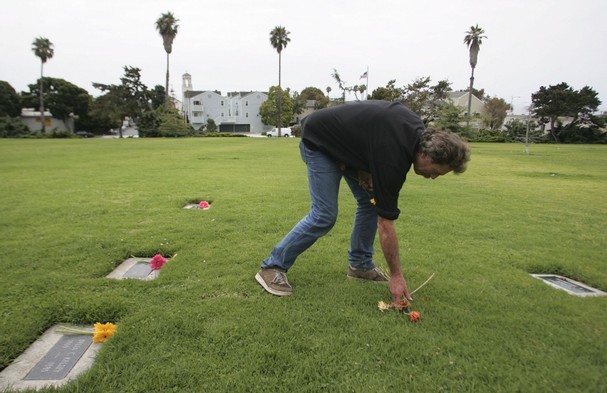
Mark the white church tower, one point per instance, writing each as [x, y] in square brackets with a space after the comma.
[186, 86]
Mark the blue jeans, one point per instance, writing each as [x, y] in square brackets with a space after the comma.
[324, 177]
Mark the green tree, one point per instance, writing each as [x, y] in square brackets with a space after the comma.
[279, 38]
[494, 113]
[355, 89]
[10, 101]
[158, 96]
[12, 127]
[129, 99]
[43, 48]
[521, 131]
[420, 96]
[269, 109]
[389, 93]
[449, 117]
[163, 121]
[425, 99]
[562, 100]
[311, 94]
[167, 27]
[211, 125]
[63, 99]
[473, 39]
[341, 84]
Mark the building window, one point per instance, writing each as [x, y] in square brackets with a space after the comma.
[196, 114]
[246, 114]
[246, 103]
[197, 103]
[221, 114]
[221, 102]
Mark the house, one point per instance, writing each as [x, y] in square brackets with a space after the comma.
[460, 98]
[32, 119]
[308, 108]
[234, 112]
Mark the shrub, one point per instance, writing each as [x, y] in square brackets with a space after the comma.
[489, 136]
[11, 127]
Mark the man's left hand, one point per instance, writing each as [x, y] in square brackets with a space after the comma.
[365, 181]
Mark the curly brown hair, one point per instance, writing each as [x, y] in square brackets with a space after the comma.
[445, 147]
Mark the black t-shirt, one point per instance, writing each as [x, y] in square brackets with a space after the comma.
[378, 137]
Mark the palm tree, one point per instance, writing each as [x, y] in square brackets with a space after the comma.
[279, 38]
[43, 48]
[167, 27]
[474, 39]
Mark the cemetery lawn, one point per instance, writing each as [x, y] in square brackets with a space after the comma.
[72, 210]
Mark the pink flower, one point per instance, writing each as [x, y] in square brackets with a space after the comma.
[157, 262]
[203, 205]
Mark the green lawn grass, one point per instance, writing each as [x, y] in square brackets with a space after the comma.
[72, 210]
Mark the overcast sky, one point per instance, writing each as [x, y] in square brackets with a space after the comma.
[224, 45]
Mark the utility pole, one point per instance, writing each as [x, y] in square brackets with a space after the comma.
[528, 126]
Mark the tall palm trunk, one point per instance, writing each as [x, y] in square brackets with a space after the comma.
[279, 97]
[42, 98]
[166, 92]
[470, 95]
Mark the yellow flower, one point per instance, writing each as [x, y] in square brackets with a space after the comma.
[383, 306]
[103, 331]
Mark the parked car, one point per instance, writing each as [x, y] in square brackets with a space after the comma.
[286, 132]
[85, 134]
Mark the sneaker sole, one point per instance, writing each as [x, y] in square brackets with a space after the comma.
[265, 286]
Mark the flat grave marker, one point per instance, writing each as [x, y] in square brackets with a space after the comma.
[61, 358]
[134, 268]
[52, 360]
[570, 286]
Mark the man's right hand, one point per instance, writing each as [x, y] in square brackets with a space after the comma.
[398, 287]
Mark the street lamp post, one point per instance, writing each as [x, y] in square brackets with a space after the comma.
[527, 132]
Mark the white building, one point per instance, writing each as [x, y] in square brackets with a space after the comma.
[235, 112]
[460, 98]
[32, 119]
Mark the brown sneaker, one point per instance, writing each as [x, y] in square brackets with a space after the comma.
[274, 281]
[375, 274]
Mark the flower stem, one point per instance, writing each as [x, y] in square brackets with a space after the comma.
[425, 282]
[71, 330]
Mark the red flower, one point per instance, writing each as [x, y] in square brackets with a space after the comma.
[203, 205]
[402, 306]
[415, 316]
[157, 262]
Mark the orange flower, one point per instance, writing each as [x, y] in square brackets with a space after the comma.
[415, 316]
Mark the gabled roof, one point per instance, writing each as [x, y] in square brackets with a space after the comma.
[194, 93]
[456, 94]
